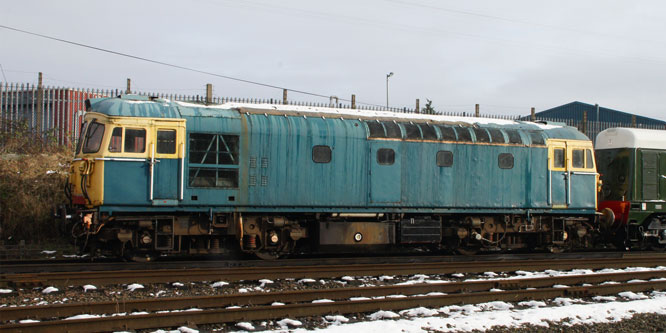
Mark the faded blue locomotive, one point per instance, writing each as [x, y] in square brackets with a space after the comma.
[154, 176]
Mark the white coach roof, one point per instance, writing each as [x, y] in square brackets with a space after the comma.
[631, 138]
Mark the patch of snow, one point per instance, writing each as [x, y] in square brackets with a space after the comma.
[177, 284]
[233, 307]
[632, 295]
[245, 325]
[347, 278]
[265, 282]
[185, 329]
[48, 251]
[243, 290]
[289, 323]
[6, 291]
[28, 321]
[83, 316]
[306, 281]
[385, 277]
[609, 282]
[89, 287]
[604, 298]
[323, 301]
[337, 319]
[458, 275]
[138, 313]
[495, 289]
[396, 296]
[635, 281]
[359, 298]
[496, 305]
[490, 274]
[219, 284]
[560, 286]
[532, 304]
[563, 301]
[277, 304]
[419, 312]
[49, 290]
[383, 315]
[134, 286]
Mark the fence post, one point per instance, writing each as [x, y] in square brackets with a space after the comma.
[418, 108]
[129, 86]
[209, 93]
[353, 101]
[284, 96]
[583, 125]
[532, 115]
[633, 120]
[40, 103]
[476, 111]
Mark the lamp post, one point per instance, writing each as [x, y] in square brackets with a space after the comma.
[387, 77]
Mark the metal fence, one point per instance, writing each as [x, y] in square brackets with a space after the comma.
[59, 110]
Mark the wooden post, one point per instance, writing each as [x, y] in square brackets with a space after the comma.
[418, 110]
[532, 115]
[129, 86]
[284, 96]
[353, 102]
[476, 111]
[583, 125]
[40, 104]
[633, 120]
[209, 93]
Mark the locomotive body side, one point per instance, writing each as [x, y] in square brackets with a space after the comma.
[154, 176]
[633, 167]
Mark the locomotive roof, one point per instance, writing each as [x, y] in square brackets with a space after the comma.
[143, 106]
[631, 138]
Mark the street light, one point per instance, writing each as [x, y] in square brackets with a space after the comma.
[387, 77]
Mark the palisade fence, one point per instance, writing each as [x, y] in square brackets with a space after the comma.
[59, 111]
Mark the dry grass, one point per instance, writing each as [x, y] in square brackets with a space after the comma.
[33, 171]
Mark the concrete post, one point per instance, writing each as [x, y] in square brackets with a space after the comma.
[209, 93]
[532, 115]
[40, 104]
[284, 96]
[353, 101]
[129, 86]
[476, 111]
[418, 110]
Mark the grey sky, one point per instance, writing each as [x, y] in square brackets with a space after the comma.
[505, 55]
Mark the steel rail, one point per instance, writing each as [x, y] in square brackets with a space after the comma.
[220, 301]
[319, 271]
[174, 319]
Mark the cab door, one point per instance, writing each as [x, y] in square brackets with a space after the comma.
[166, 158]
[558, 177]
[582, 175]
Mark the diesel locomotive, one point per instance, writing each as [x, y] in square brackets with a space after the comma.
[154, 177]
[632, 163]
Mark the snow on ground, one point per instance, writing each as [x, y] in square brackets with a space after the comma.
[89, 287]
[5, 291]
[49, 290]
[134, 286]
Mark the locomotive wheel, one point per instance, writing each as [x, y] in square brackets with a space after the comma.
[468, 251]
[265, 255]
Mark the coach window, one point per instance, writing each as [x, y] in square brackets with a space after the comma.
[93, 138]
[578, 158]
[166, 141]
[558, 158]
[444, 158]
[135, 140]
[505, 161]
[589, 159]
[116, 143]
[385, 156]
[321, 154]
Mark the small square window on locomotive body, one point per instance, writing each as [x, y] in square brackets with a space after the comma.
[444, 158]
[385, 156]
[166, 141]
[321, 154]
[505, 161]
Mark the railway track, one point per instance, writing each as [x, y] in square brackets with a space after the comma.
[277, 270]
[304, 303]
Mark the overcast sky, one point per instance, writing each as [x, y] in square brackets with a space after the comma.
[506, 55]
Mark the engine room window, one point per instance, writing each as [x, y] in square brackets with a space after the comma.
[213, 177]
[448, 134]
[463, 134]
[166, 141]
[392, 130]
[481, 135]
[589, 159]
[514, 137]
[93, 138]
[321, 154]
[496, 135]
[428, 132]
[116, 142]
[135, 140]
[412, 131]
[444, 158]
[376, 129]
[558, 158]
[505, 161]
[213, 148]
[537, 138]
[385, 156]
[578, 158]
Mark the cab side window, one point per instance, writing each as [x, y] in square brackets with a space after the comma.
[135, 140]
[166, 141]
[589, 159]
[558, 158]
[578, 158]
[116, 142]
